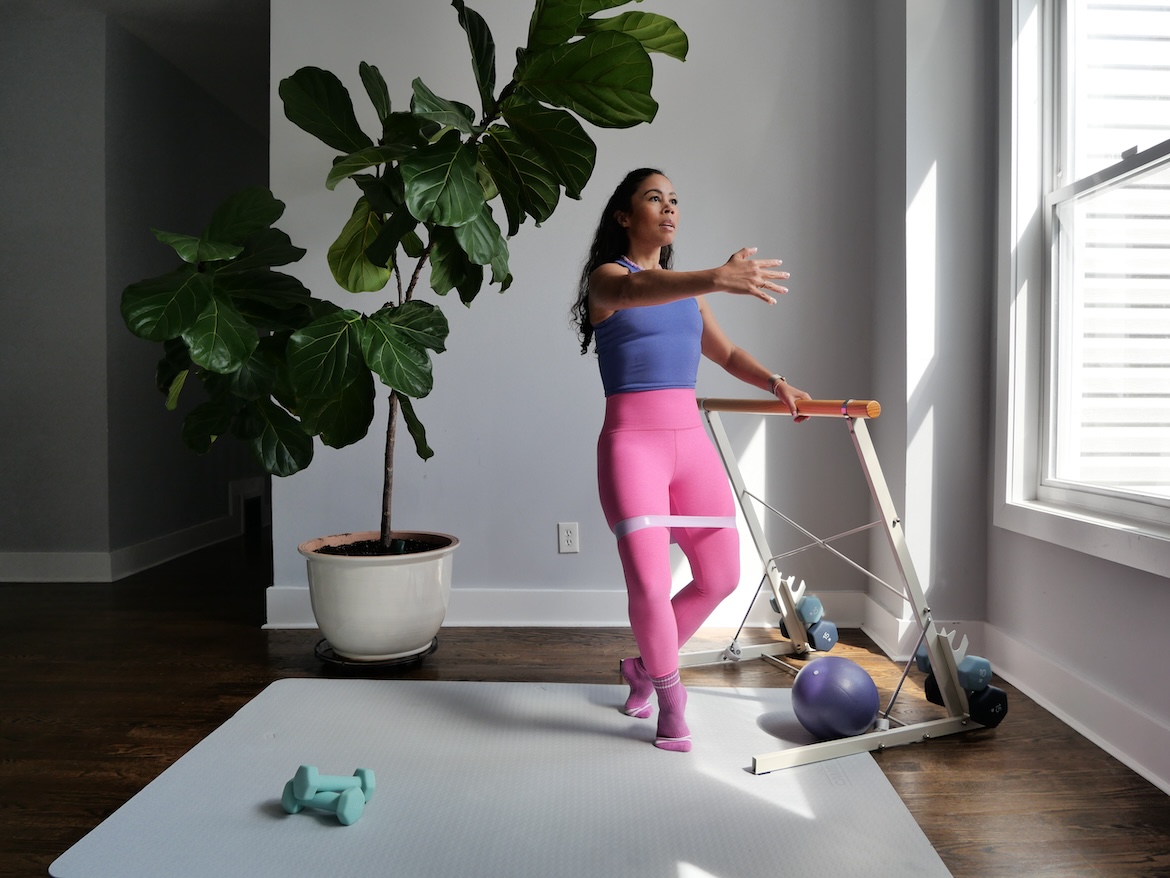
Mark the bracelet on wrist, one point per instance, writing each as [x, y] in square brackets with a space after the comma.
[775, 379]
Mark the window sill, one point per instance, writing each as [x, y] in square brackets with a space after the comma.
[1137, 544]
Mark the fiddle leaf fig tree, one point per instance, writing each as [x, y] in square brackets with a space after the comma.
[439, 184]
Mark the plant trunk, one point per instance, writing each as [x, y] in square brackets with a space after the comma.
[388, 475]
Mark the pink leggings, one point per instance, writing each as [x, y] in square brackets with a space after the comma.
[654, 459]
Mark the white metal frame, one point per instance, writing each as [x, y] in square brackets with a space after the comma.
[944, 656]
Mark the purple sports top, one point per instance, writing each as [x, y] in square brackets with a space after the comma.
[652, 347]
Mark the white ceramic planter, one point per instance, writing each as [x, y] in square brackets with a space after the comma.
[380, 608]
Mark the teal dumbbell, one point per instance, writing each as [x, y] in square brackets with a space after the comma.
[809, 608]
[974, 670]
[307, 782]
[922, 658]
[974, 673]
[348, 804]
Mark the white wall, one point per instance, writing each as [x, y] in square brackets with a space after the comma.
[767, 132]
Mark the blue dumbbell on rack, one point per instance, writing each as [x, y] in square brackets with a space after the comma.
[822, 634]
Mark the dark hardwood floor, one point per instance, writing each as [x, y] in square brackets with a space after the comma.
[105, 685]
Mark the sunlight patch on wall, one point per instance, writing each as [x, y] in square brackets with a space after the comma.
[921, 280]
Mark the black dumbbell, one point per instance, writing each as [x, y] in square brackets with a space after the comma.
[988, 706]
[931, 691]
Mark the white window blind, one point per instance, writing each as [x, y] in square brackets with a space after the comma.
[1109, 330]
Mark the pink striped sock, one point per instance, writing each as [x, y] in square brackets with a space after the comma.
[634, 673]
[673, 733]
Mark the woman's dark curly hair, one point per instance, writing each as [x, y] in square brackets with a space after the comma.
[609, 242]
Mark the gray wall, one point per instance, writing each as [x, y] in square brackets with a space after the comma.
[102, 140]
[767, 132]
[53, 442]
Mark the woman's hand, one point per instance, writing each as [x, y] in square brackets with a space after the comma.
[788, 395]
[743, 275]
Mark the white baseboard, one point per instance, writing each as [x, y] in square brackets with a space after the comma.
[119, 563]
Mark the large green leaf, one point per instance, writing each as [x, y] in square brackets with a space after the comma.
[247, 422]
[171, 373]
[481, 239]
[316, 101]
[451, 269]
[427, 105]
[605, 78]
[395, 341]
[396, 227]
[204, 424]
[195, 250]
[414, 425]
[554, 22]
[375, 85]
[385, 193]
[441, 184]
[325, 356]
[343, 418]
[526, 185]
[281, 446]
[220, 339]
[243, 215]
[656, 33]
[269, 300]
[559, 138]
[483, 53]
[256, 379]
[347, 258]
[370, 157]
[175, 386]
[421, 322]
[266, 248]
[164, 307]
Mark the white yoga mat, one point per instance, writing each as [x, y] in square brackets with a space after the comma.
[507, 779]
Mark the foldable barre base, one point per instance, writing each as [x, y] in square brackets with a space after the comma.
[939, 649]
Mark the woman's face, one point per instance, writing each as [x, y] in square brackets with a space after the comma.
[652, 219]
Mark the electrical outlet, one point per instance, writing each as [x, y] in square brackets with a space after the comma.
[568, 538]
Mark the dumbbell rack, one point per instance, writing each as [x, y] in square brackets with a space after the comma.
[940, 649]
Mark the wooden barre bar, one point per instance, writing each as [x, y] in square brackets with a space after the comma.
[814, 408]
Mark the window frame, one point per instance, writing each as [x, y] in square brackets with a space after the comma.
[1029, 113]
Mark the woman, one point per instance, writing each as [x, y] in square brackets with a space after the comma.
[658, 474]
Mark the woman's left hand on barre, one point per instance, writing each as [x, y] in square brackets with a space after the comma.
[788, 395]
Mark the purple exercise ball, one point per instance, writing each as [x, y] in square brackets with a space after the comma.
[834, 698]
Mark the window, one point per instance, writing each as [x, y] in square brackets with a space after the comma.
[1086, 306]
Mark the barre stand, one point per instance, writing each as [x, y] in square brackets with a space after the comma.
[944, 656]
